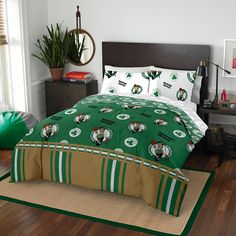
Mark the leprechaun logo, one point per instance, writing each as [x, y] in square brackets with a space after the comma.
[136, 126]
[190, 146]
[100, 135]
[49, 130]
[130, 106]
[82, 118]
[160, 122]
[137, 89]
[106, 110]
[159, 151]
[181, 94]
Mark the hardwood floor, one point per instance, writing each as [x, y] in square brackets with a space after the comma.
[217, 216]
[5, 162]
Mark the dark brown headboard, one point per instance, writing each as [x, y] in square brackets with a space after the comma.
[174, 56]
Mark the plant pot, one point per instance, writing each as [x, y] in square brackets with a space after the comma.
[56, 73]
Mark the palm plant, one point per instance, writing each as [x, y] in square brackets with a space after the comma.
[53, 47]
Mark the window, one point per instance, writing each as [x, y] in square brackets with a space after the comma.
[12, 67]
[4, 88]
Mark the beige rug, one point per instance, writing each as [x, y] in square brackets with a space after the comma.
[111, 208]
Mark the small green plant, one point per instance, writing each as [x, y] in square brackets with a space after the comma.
[76, 46]
[53, 47]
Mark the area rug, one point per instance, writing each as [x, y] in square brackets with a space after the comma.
[110, 208]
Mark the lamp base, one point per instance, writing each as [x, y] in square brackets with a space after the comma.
[215, 103]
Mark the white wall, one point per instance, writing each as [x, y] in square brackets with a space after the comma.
[35, 18]
[157, 21]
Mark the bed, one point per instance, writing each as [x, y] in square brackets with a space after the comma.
[118, 142]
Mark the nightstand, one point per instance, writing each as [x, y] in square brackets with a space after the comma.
[224, 135]
[61, 95]
[204, 113]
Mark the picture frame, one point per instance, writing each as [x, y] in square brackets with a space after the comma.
[229, 59]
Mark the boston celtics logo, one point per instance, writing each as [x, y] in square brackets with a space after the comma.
[181, 94]
[130, 106]
[156, 92]
[195, 138]
[82, 118]
[70, 111]
[179, 133]
[198, 133]
[129, 75]
[159, 151]
[49, 130]
[188, 126]
[136, 126]
[190, 146]
[101, 135]
[160, 122]
[64, 141]
[191, 76]
[106, 110]
[159, 111]
[137, 89]
[110, 73]
[131, 142]
[160, 105]
[111, 90]
[75, 132]
[30, 132]
[123, 116]
[174, 76]
[118, 150]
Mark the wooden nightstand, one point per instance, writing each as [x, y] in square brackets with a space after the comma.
[204, 113]
[61, 95]
[216, 135]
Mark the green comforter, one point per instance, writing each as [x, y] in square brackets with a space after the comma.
[113, 143]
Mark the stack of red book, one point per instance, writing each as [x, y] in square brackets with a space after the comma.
[78, 76]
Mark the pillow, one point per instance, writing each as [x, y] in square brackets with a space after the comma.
[173, 84]
[196, 90]
[125, 82]
[128, 69]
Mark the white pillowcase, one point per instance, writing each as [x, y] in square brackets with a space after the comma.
[173, 84]
[196, 90]
[125, 82]
[128, 69]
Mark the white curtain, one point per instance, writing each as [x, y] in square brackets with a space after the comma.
[5, 92]
[5, 86]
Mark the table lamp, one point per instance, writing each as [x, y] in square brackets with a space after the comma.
[202, 70]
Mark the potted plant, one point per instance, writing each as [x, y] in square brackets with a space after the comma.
[53, 49]
[76, 46]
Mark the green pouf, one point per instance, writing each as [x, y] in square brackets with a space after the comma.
[13, 127]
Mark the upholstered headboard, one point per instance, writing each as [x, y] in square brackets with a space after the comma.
[173, 56]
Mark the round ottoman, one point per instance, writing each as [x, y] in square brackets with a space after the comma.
[13, 127]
